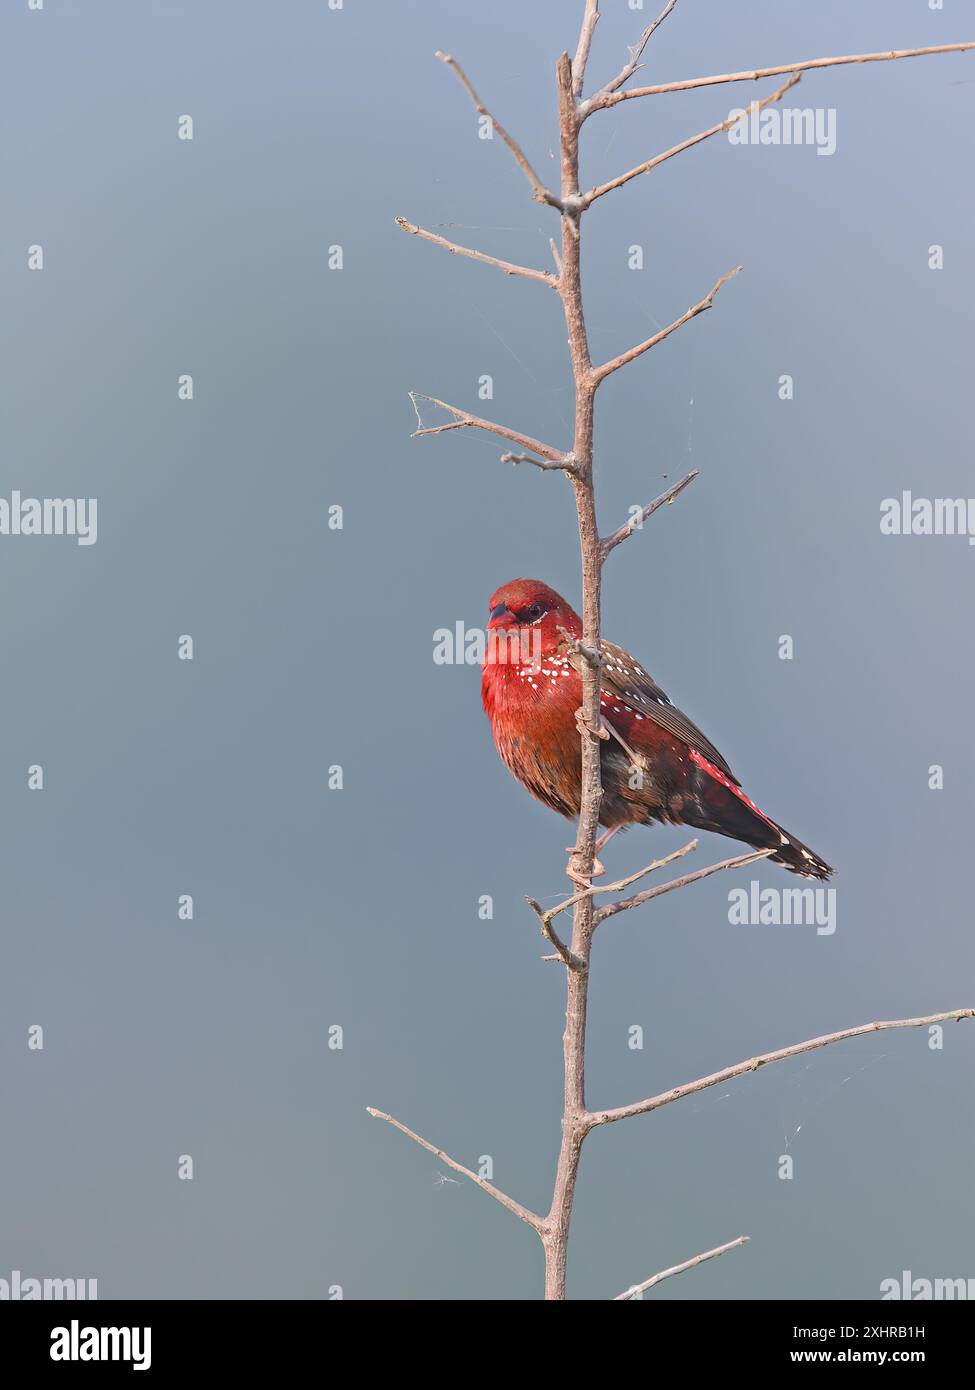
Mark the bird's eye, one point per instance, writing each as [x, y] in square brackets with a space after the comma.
[532, 614]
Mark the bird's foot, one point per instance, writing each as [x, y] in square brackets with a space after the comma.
[598, 869]
[575, 874]
[585, 728]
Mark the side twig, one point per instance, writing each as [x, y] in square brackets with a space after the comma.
[523, 1212]
[549, 914]
[464, 420]
[636, 53]
[636, 1289]
[569, 958]
[755, 74]
[688, 144]
[509, 267]
[590, 18]
[609, 543]
[566, 465]
[601, 373]
[718, 1078]
[649, 894]
[540, 193]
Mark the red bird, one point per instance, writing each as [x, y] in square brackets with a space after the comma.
[656, 765]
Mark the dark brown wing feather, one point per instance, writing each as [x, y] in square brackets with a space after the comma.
[626, 680]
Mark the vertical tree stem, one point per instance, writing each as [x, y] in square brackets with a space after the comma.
[575, 1124]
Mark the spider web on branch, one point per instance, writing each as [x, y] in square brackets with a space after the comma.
[800, 1093]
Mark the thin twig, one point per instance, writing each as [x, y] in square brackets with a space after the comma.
[754, 74]
[508, 267]
[601, 373]
[566, 465]
[573, 961]
[638, 899]
[636, 53]
[590, 19]
[690, 1088]
[495, 1192]
[618, 887]
[539, 191]
[635, 1289]
[635, 522]
[464, 420]
[688, 144]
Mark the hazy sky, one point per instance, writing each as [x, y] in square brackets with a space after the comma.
[316, 908]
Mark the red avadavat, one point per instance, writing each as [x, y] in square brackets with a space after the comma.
[656, 765]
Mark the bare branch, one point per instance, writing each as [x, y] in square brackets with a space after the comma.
[615, 887]
[649, 869]
[507, 266]
[610, 543]
[540, 193]
[495, 1192]
[566, 466]
[464, 420]
[600, 373]
[753, 75]
[574, 962]
[636, 53]
[690, 1088]
[590, 19]
[639, 899]
[636, 1289]
[688, 144]
[556, 257]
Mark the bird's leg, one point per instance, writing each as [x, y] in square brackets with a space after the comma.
[584, 727]
[604, 840]
[637, 759]
[601, 843]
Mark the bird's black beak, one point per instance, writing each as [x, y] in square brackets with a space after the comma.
[498, 612]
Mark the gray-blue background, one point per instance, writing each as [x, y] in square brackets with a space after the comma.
[313, 647]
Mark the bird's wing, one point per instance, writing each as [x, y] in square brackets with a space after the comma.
[626, 680]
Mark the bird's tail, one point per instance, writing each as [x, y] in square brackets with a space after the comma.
[796, 856]
[722, 806]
